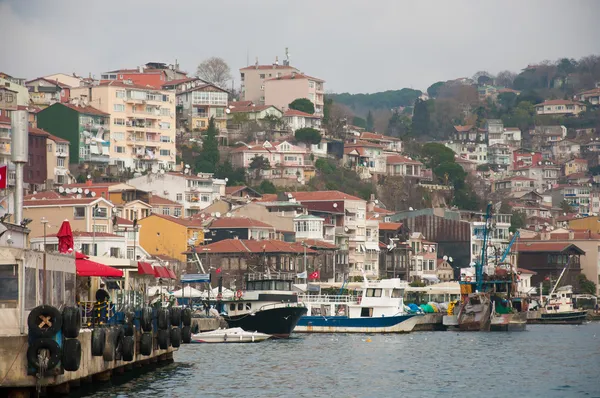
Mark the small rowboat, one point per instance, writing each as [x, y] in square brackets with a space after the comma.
[233, 335]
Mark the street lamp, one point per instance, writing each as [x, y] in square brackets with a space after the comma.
[44, 222]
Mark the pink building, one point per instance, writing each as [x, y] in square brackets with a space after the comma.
[280, 91]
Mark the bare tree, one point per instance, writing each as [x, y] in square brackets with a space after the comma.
[215, 70]
[506, 78]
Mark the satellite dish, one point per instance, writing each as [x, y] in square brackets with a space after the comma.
[78, 196]
[335, 205]
[202, 215]
[227, 110]
[217, 214]
[187, 166]
[212, 214]
[346, 229]
[89, 176]
[162, 171]
[79, 190]
[445, 258]
[61, 189]
[93, 194]
[472, 264]
[410, 209]
[226, 179]
[67, 190]
[86, 191]
[228, 215]
[450, 259]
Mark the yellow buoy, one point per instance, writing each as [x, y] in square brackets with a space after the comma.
[368, 340]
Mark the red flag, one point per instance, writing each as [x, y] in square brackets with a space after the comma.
[218, 271]
[314, 275]
[547, 278]
[3, 171]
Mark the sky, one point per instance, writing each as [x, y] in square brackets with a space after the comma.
[355, 46]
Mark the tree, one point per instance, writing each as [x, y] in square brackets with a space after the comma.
[215, 70]
[565, 206]
[233, 176]
[399, 126]
[517, 221]
[586, 286]
[272, 122]
[507, 100]
[434, 89]
[303, 105]
[436, 154]
[267, 186]
[209, 155]
[484, 80]
[259, 163]
[359, 122]
[370, 121]
[505, 78]
[420, 120]
[308, 135]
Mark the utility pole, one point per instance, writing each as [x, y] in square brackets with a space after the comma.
[94, 209]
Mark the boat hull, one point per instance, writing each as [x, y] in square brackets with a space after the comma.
[516, 322]
[278, 322]
[561, 318]
[343, 324]
[236, 335]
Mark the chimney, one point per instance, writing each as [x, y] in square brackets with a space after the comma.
[256, 63]
[276, 61]
[293, 75]
[371, 203]
[88, 182]
[571, 235]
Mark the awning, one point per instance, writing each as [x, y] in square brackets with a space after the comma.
[145, 268]
[431, 278]
[172, 274]
[91, 268]
[372, 246]
[161, 272]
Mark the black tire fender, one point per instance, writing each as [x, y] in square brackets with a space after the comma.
[162, 336]
[175, 316]
[110, 345]
[128, 348]
[71, 322]
[98, 341]
[175, 337]
[146, 319]
[146, 343]
[71, 355]
[186, 334]
[163, 318]
[186, 317]
[44, 344]
[44, 321]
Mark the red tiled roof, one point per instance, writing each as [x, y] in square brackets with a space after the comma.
[322, 196]
[389, 226]
[232, 190]
[238, 222]
[365, 135]
[241, 246]
[559, 102]
[526, 271]
[268, 197]
[294, 76]
[360, 143]
[38, 132]
[124, 221]
[544, 246]
[160, 201]
[57, 139]
[268, 67]
[382, 210]
[317, 244]
[576, 176]
[88, 110]
[66, 201]
[325, 207]
[43, 195]
[119, 83]
[252, 148]
[180, 81]
[252, 108]
[186, 222]
[578, 160]
[360, 151]
[240, 104]
[512, 129]
[203, 86]
[399, 159]
[463, 129]
[55, 82]
[294, 112]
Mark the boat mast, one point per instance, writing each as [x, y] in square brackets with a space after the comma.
[561, 275]
[482, 260]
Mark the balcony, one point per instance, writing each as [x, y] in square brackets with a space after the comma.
[61, 154]
[5, 149]
[134, 101]
[5, 135]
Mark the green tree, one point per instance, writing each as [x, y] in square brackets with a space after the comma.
[303, 105]
[399, 126]
[267, 186]
[209, 156]
[434, 89]
[259, 163]
[324, 166]
[421, 124]
[435, 154]
[272, 122]
[507, 100]
[370, 121]
[308, 135]
[327, 110]
[586, 286]
[565, 206]
[517, 221]
[359, 122]
[234, 176]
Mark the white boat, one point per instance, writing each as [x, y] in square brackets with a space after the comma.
[233, 335]
[380, 309]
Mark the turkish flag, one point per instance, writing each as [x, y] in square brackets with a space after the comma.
[3, 171]
[218, 271]
[314, 275]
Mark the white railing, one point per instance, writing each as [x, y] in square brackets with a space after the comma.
[326, 298]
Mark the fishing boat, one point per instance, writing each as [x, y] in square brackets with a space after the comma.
[268, 305]
[232, 335]
[559, 308]
[379, 308]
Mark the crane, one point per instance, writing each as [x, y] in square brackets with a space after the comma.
[512, 241]
[482, 260]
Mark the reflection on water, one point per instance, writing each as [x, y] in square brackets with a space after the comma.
[545, 361]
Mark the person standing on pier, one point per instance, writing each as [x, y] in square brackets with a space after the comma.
[102, 298]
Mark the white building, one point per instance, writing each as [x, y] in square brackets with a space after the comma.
[194, 192]
[473, 151]
[307, 226]
[107, 244]
[298, 120]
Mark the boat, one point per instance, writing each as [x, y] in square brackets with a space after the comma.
[268, 305]
[507, 320]
[379, 308]
[559, 308]
[231, 335]
[475, 313]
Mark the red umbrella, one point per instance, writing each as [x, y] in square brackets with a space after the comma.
[87, 267]
[65, 237]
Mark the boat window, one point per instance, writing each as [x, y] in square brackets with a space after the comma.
[366, 312]
[232, 307]
[250, 286]
[315, 311]
[397, 293]
[258, 286]
[569, 295]
[373, 293]
[549, 308]
[240, 306]
[280, 285]
[248, 306]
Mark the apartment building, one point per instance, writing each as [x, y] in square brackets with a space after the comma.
[514, 184]
[499, 155]
[423, 261]
[197, 102]
[498, 236]
[48, 160]
[298, 120]
[281, 91]
[401, 166]
[44, 92]
[366, 158]
[87, 129]
[142, 123]
[194, 192]
[576, 165]
[15, 84]
[545, 174]
[253, 80]
[473, 151]
[578, 197]
[560, 107]
[391, 144]
[5, 142]
[153, 74]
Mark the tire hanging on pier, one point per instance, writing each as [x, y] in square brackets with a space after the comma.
[186, 317]
[110, 345]
[98, 341]
[146, 343]
[119, 334]
[44, 321]
[53, 352]
[186, 334]
[146, 319]
[175, 337]
[128, 348]
[162, 336]
[175, 316]
[163, 318]
[71, 355]
[71, 322]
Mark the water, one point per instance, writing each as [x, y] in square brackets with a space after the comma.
[545, 361]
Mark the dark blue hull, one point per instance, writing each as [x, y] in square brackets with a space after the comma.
[344, 324]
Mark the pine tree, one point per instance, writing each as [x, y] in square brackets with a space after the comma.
[209, 155]
[370, 122]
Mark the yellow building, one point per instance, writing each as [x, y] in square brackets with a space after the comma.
[170, 236]
[575, 166]
[591, 223]
[197, 102]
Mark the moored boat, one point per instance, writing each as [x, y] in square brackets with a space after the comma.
[559, 309]
[231, 335]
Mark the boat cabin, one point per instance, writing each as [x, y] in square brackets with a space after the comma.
[561, 300]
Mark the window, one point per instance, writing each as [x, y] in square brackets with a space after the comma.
[100, 212]
[165, 138]
[120, 93]
[240, 306]
[119, 122]
[119, 149]
[100, 228]
[262, 76]
[119, 108]
[179, 197]
[165, 112]
[177, 212]
[165, 98]
[118, 136]
[149, 109]
[9, 97]
[79, 212]
[49, 147]
[165, 152]
[232, 307]
[164, 125]
[166, 211]
[60, 162]
[205, 198]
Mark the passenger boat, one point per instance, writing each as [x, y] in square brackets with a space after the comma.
[268, 305]
[559, 309]
[232, 335]
[379, 308]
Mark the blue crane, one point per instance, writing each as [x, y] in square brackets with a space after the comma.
[482, 259]
[512, 241]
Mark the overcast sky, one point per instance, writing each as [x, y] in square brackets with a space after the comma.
[356, 46]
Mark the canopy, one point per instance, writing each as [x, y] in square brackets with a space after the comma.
[171, 274]
[431, 278]
[145, 268]
[87, 267]
[187, 291]
[65, 237]
[161, 272]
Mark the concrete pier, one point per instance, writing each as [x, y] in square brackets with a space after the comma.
[13, 364]
[208, 324]
[430, 322]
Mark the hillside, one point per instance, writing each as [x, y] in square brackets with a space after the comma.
[391, 99]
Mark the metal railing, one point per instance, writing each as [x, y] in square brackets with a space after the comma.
[326, 298]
